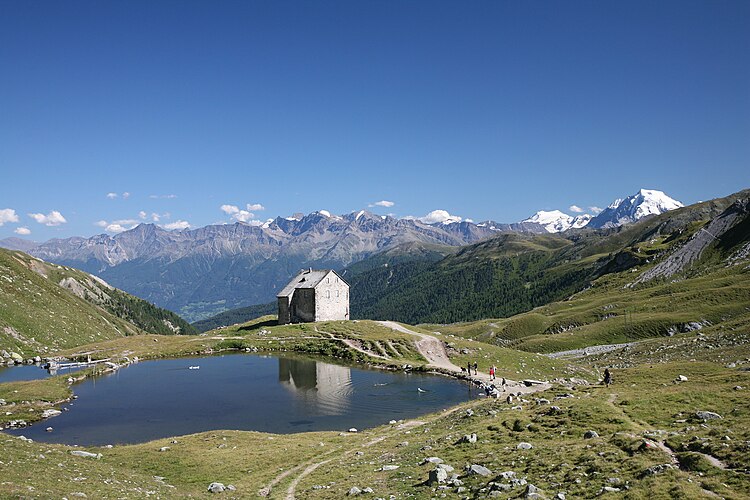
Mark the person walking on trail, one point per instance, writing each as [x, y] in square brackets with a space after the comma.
[607, 377]
[468, 368]
[492, 373]
[475, 368]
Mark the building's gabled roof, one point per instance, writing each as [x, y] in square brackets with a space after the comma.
[309, 278]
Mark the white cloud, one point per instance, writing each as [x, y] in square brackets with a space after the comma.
[469, 220]
[576, 209]
[240, 215]
[162, 196]
[255, 207]
[54, 218]
[439, 216]
[8, 215]
[125, 195]
[595, 210]
[179, 224]
[157, 217]
[142, 214]
[111, 196]
[382, 203]
[24, 231]
[117, 226]
[230, 209]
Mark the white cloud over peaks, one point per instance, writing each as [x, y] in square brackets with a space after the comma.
[8, 215]
[179, 224]
[23, 231]
[255, 207]
[117, 226]
[240, 215]
[142, 214]
[125, 195]
[576, 209]
[54, 218]
[595, 210]
[439, 216]
[111, 196]
[382, 203]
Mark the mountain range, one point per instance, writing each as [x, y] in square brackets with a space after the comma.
[203, 271]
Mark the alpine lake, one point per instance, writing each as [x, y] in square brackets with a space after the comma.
[266, 393]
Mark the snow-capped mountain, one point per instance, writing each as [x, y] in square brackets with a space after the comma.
[644, 203]
[198, 272]
[580, 221]
[553, 221]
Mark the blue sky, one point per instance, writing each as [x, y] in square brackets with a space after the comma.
[488, 110]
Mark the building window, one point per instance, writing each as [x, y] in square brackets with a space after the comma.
[328, 294]
[337, 294]
[328, 280]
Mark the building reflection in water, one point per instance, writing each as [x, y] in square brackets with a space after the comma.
[325, 387]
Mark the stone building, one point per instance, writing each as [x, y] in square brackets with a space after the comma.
[314, 296]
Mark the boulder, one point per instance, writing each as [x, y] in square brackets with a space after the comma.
[682, 378]
[432, 460]
[707, 415]
[437, 476]
[389, 467]
[50, 413]
[533, 492]
[590, 435]
[17, 358]
[479, 470]
[216, 488]
[354, 491]
[657, 469]
[524, 446]
[468, 438]
[85, 454]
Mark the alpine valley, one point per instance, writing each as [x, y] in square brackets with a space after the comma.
[201, 272]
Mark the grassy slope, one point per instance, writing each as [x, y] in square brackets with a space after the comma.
[39, 316]
[644, 403]
[609, 313]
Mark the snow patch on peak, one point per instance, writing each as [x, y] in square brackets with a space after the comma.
[581, 221]
[325, 213]
[553, 221]
[359, 214]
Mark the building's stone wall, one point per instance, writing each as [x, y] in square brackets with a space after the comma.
[303, 305]
[331, 299]
[284, 312]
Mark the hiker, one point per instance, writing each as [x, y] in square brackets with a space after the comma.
[468, 367]
[504, 383]
[492, 373]
[475, 368]
[607, 377]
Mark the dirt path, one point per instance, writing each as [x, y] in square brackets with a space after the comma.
[433, 350]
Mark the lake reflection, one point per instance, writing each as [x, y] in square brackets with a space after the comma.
[165, 398]
[325, 386]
